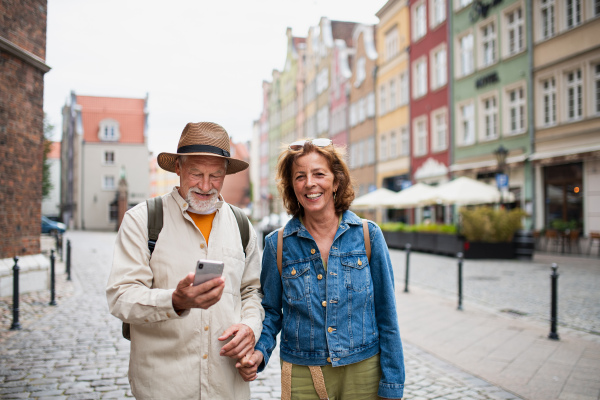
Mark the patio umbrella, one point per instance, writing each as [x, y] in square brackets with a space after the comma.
[466, 191]
[411, 197]
[373, 199]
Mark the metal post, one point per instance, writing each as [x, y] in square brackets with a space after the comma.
[554, 302]
[68, 259]
[407, 267]
[15, 324]
[460, 265]
[56, 245]
[52, 280]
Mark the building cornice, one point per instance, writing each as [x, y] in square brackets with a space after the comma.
[26, 56]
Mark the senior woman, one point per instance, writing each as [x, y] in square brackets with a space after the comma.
[335, 307]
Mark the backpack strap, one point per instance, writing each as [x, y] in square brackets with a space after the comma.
[367, 238]
[155, 221]
[243, 225]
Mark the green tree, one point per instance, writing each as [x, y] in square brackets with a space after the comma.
[48, 134]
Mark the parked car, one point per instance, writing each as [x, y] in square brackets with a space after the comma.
[49, 226]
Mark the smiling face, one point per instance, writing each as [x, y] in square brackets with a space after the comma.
[201, 180]
[314, 184]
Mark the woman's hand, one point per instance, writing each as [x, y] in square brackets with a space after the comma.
[248, 365]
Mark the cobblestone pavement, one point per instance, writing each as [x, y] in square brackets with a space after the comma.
[75, 350]
[516, 286]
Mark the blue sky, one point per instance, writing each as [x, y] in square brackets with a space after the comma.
[201, 60]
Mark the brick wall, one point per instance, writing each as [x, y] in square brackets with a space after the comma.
[23, 23]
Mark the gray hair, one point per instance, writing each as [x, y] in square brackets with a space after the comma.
[183, 158]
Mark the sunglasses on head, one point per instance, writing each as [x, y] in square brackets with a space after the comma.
[319, 142]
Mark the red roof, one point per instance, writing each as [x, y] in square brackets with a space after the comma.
[128, 112]
[54, 150]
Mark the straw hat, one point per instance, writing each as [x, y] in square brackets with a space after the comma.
[202, 139]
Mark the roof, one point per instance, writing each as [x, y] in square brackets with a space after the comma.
[343, 30]
[128, 112]
[54, 150]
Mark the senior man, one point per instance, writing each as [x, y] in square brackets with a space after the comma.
[186, 339]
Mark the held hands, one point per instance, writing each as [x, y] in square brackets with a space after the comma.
[248, 365]
[203, 296]
[242, 341]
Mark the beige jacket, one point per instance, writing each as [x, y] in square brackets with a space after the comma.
[177, 357]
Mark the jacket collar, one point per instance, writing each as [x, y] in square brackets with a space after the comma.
[294, 226]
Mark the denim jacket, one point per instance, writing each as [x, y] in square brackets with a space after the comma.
[340, 316]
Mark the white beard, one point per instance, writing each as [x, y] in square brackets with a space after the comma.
[202, 206]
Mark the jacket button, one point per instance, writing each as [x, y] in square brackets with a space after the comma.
[324, 303]
[293, 271]
[206, 328]
[205, 356]
[201, 245]
[312, 251]
[330, 329]
[319, 277]
[329, 360]
[359, 262]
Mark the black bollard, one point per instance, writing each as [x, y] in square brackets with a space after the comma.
[554, 303]
[15, 324]
[407, 267]
[460, 265]
[68, 259]
[52, 280]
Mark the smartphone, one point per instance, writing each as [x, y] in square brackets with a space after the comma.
[207, 270]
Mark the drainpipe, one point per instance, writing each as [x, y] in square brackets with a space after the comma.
[530, 108]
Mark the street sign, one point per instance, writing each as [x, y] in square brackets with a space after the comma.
[502, 181]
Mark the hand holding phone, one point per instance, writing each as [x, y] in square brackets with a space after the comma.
[207, 270]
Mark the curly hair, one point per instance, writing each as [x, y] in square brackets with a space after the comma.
[335, 159]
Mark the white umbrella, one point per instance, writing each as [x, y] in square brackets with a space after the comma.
[466, 191]
[411, 197]
[373, 199]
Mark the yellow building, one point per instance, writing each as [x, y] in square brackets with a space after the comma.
[392, 93]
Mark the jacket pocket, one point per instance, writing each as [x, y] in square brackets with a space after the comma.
[296, 281]
[357, 275]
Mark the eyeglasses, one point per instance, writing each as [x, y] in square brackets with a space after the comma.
[319, 142]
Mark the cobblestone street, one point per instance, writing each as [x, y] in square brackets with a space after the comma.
[75, 350]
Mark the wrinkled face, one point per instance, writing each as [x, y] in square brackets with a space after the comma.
[201, 179]
[314, 183]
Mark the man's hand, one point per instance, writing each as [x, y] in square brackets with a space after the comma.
[247, 366]
[242, 342]
[187, 296]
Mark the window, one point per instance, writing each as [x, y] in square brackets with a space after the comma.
[420, 85]
[392, 95]
[439, 137]
[465, 48]
[109, 130]
[323, 119]
[490, 118]
[420, 135]
[463, 3]
[597, 88]
[353, 115]
[113, 211]
[392, 47]
[573, 13]
[371, 105]
[574, 106]
[466, 124]
[371, 150]
[108, 182]
[362, 110]
[109, 157]
[596, 7]
[547, 18]
[488, 44]
[439, 73]
[515, 31]
[549, 101]
[360, 71]
[382, 108]
[438, 12]
[393, 145]
[382, 148]
[420, 21]
[404, 142]
[404, 89]
[516, 110]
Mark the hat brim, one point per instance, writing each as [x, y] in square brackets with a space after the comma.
[167, 161]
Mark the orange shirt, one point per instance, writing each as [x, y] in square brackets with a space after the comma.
[203, 222]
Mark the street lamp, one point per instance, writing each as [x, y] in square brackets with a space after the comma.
[501, 178]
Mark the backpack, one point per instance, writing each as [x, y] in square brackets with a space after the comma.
[155, 224]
